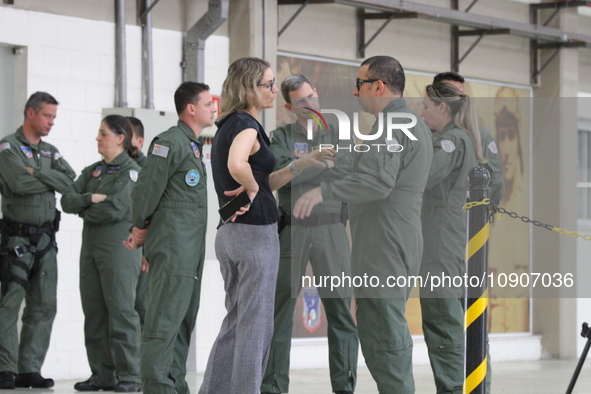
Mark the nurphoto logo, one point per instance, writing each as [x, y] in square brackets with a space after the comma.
[392, 145]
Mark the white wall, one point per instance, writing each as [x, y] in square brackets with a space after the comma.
[74, 60]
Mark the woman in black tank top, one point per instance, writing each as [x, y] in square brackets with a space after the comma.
[248, 247]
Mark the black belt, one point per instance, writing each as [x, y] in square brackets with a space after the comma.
[16, 229]
[317, 220]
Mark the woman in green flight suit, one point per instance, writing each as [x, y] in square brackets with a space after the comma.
[456, 150]
[109, 271]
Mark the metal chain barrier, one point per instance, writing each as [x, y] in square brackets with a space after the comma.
[498, 211]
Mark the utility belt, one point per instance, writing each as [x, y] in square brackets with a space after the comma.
[10, 257]
[320, 219]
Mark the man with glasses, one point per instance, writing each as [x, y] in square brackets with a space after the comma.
[384, 191]
[320, 238]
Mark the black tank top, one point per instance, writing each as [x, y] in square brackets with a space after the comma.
[263, 209]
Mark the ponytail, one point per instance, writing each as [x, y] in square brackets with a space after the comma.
[462, 110]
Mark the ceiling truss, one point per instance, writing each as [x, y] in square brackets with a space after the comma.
[464, 24]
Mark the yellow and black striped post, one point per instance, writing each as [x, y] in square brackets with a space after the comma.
[477, 289]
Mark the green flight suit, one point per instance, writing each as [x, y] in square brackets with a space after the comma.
[444, 233]
[171, 193]
[493, 165]
[108, 270]
[141, 159]
[141, 294]
[384, 192]
[327, 248]
[30, 199]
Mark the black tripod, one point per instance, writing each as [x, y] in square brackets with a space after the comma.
[585, 333]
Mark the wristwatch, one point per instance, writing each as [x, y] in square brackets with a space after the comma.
[293, 170]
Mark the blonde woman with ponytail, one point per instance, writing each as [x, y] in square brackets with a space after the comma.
[456, 150]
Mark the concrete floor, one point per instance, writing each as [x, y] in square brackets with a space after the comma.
[531, 377]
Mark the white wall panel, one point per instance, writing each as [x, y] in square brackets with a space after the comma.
[74, 60]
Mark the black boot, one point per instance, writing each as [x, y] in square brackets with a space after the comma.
[33, 380]
[88, 386]
[127, 387]
[6, 380]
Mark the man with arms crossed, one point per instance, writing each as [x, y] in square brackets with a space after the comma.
[31, 171]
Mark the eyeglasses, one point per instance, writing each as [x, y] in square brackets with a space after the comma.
[358, 82]
[269, 85]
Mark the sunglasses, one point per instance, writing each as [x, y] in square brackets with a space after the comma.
[358, 82]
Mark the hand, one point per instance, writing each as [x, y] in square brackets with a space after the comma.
[145, 265]
[136, 238]
[251, 193]
[30, 170]
[236, 192]
[96, 198]
[315, 158]
[307, 201]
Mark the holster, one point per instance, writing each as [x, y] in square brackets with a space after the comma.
[344, 213]
[284, 220]
[11, 257]
[5, 267]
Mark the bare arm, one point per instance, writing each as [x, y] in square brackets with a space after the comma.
[243, 145]
[246, 144]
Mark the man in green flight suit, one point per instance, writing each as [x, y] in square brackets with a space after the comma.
[138, 139]
[141, 293]
[320, 238]
[31, 171]
[384, 191]
[170, 198]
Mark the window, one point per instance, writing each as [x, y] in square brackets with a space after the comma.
[584, 178]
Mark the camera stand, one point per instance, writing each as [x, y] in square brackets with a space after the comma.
[585, 333]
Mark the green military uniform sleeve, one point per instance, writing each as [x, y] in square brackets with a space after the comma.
[281, 148]
[152, 182]
[342, 166]
[16, 176]
[493, 165]
[115, 206]
[374, 176]
[60, 177]
[76, 199]
[445, 157]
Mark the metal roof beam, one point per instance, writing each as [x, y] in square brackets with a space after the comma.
[464, 19]
[561, 4]
[293, 17]
[479, 32]
[390, 15]
[299, 2]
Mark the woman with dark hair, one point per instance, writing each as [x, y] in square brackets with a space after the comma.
[456, 150]
[248, 247]
[108, 271]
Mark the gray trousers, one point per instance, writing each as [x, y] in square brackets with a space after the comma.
[249, 260]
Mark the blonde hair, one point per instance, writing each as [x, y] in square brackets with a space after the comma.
[240, 91]
[462, 110]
